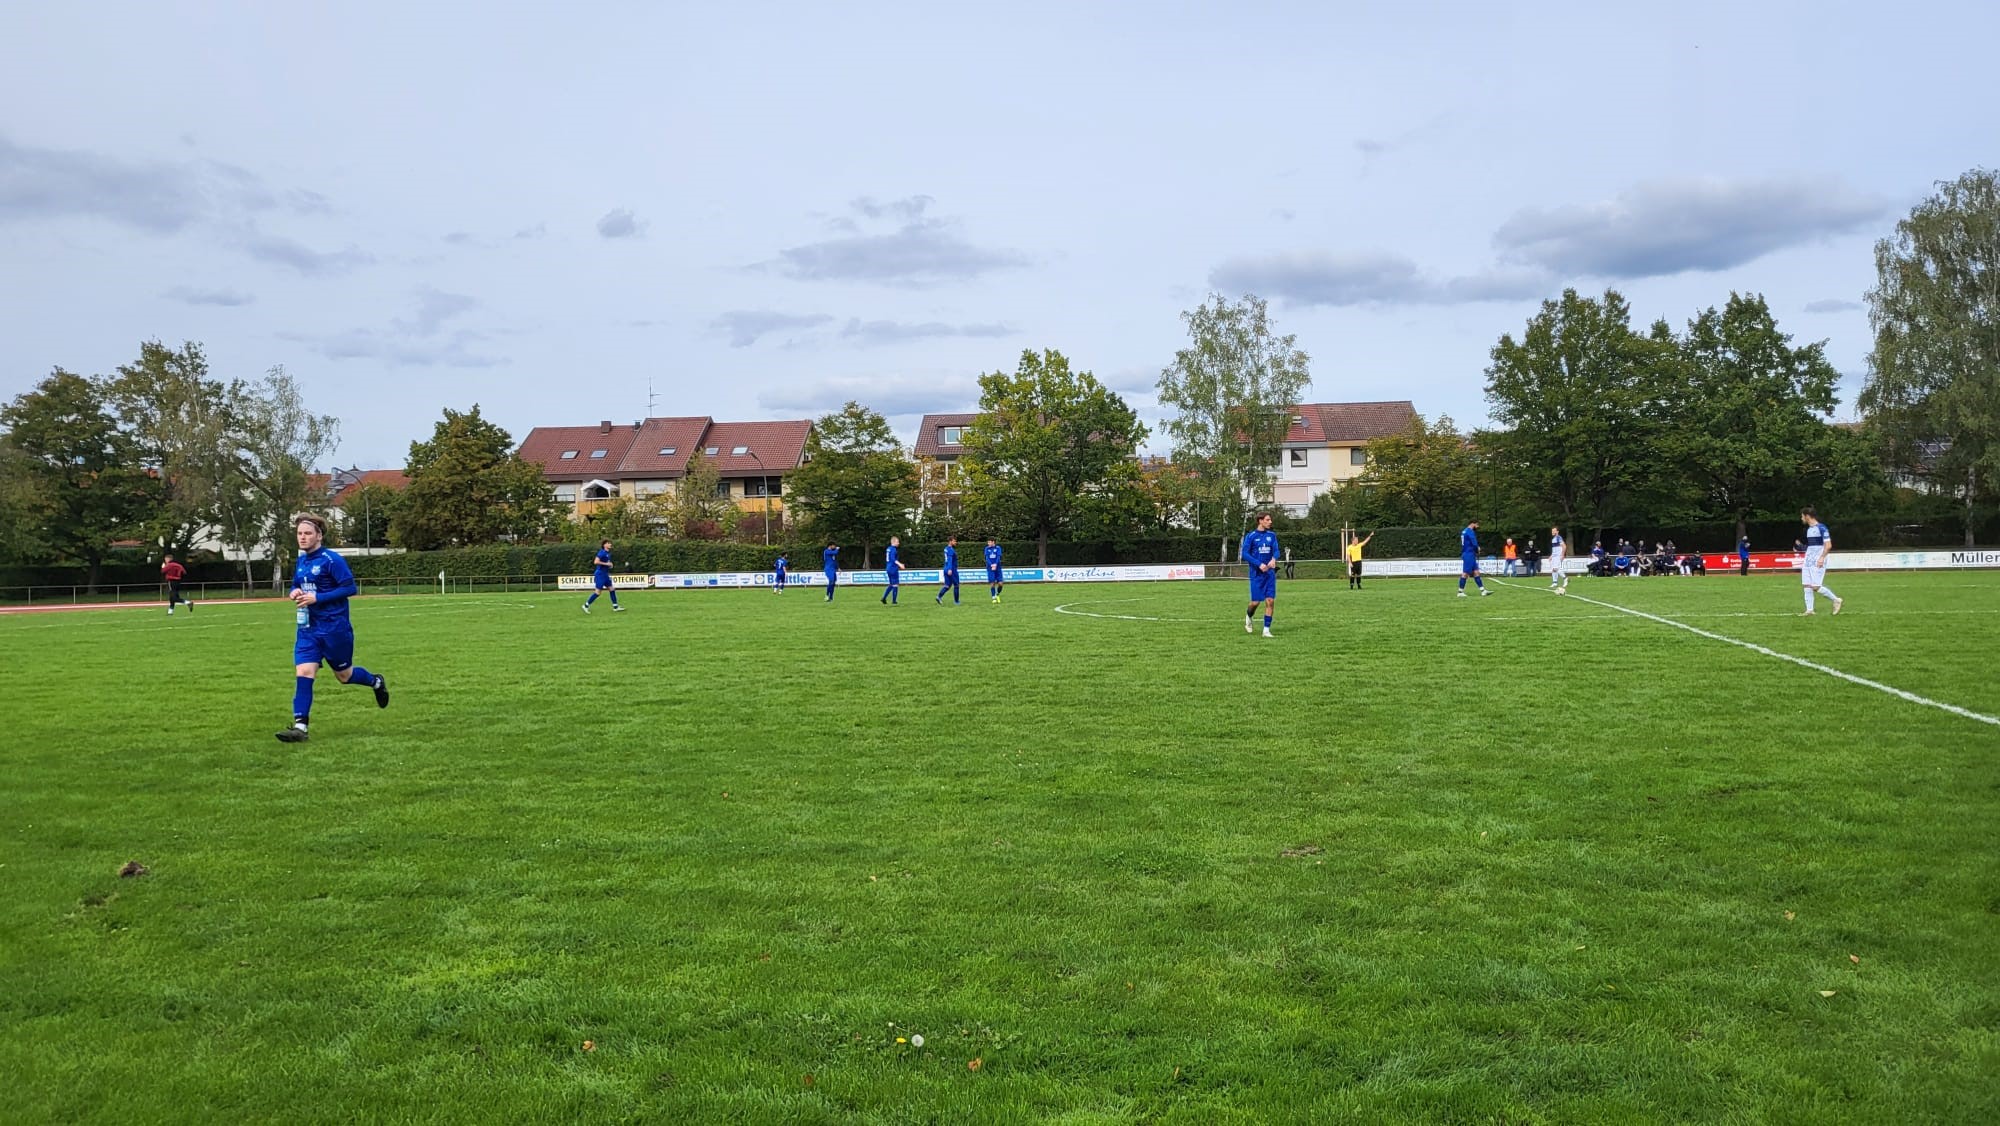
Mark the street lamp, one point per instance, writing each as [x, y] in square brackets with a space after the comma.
[766, 474]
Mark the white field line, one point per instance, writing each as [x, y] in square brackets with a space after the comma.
[466, 606]
[1800, 661]
[1065, 608]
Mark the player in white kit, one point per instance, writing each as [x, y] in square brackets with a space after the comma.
[1558, 578]
[1812, 572]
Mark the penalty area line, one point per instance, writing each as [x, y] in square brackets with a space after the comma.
[1815, 666]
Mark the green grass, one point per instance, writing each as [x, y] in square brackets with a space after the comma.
[1417, 859]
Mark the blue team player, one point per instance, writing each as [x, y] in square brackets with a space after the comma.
[600, 582]
[995, 579]
[778, 575]
[321, 586]
[950, 571]
[1468, 559]
[830, 560]
[1260, 551]
[894, 569]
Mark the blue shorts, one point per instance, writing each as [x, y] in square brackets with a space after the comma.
[333, 648]
[992, 574]
[1468, 564]
[601, 580]
[951, 578]
[1263, 584]
[896, 577]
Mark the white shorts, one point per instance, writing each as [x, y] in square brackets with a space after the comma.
[1812, 572]
[1556, 562]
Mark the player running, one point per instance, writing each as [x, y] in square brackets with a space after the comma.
[173, 573]
[996, 579]
[321, 586]
[1260, 550]
[950, 571]
[830, 562]
[1812, 571]
[600, 581]
[1558, 578]
[1468, 558]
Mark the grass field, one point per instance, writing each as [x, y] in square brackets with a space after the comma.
[1520, 858]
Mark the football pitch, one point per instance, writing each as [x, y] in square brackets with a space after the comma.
[727, 855]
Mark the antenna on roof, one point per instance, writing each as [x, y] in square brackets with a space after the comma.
[651, 399]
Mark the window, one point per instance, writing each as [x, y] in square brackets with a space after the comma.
[599, 453]
[738, 451]
[1298, 420]
[722, 488]
[709, 452]
[565, 496]
[1298, 459]
[1357, 456]
[951, 435]
[569, 455]
[596, 492]
[754, 487]
[669, 451]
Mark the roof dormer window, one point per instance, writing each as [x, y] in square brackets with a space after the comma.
[569, 455]
[669, 451]
[738, 451]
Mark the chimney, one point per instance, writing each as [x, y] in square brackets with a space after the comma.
[604, 427]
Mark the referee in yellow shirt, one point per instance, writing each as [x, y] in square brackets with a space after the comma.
[1354, 561]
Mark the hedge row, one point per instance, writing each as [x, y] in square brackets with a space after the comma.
[1851, 533]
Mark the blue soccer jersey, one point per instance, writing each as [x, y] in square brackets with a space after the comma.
[950, 558]
[604, 562]
[890, 565]
[993, 557]
[830, 559]
[1468, 541]
[326, 574]
[1259, 548]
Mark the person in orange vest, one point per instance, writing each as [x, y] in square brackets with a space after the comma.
[1509, 554]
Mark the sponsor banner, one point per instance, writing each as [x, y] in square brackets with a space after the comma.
[918, 576]
[618, 582]
[1759, 560]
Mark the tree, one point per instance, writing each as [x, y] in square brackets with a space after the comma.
[1748, 421]
[1933, 390]
[1428, 470]
[1578, 393]
[1233, 389]
[180, 420]
[275, 442]
[855, 486]
[1046, 447]
[467, 487]
[77, 472]
[699, 508]
[368, 510]
[23, 503]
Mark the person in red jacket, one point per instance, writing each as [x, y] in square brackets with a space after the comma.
[173, 572]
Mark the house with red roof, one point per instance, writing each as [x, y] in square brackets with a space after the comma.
[586, 466]
[1327, 446]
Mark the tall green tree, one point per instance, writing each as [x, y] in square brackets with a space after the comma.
[180, 418]
[1428, 471]
[367, 512]
[1232, 390]
[1933, 390]
[78, 470]
[23, 504]
[855, 487]
[699, 508]
[1578, 394]
[1049, 445]
[467, 487]
[1748, 422]
[275, 441]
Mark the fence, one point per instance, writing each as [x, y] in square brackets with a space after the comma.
[141, 593]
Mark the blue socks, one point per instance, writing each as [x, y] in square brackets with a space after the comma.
[1267, 621]
[302, 698]
[614, 597]
[593, 595]
[362, 677]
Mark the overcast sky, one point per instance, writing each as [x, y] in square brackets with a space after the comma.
[761, 211]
